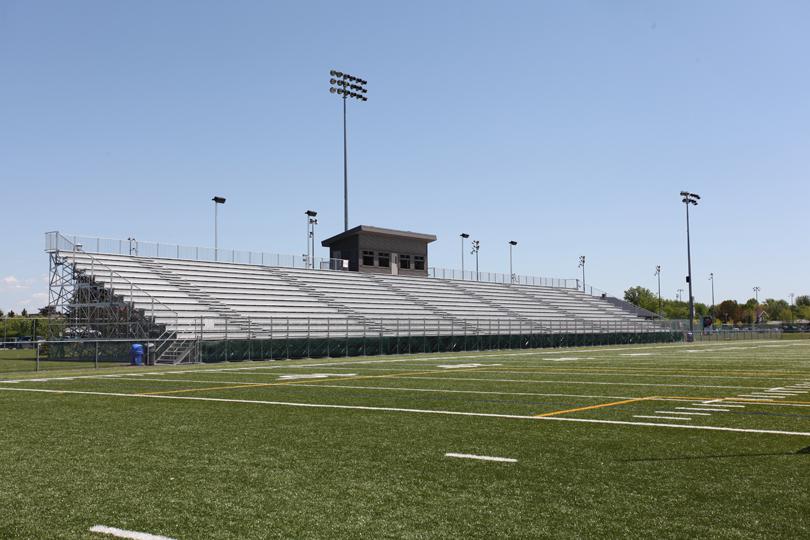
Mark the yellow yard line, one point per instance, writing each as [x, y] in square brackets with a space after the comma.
[300, 381]
[591, 407]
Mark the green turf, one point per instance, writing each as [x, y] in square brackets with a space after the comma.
[190, 468]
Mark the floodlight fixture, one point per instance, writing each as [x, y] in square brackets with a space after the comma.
[340, 82]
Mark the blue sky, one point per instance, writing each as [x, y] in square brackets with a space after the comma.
[567, 126]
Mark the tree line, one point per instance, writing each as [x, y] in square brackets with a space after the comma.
[727, 311]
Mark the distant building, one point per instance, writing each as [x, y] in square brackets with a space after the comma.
[381, 251]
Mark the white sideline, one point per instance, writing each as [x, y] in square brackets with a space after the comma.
[396, 409]
[482, 458]
[123, 533]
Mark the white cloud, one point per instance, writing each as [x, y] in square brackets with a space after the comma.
[10, 281]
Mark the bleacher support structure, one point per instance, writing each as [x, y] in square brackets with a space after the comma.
[192, 310]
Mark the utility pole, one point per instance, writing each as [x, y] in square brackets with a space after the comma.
[711, 278]
[582, 265]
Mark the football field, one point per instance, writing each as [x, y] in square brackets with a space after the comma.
[672, 441]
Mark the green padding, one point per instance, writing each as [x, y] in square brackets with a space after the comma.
[238, 350]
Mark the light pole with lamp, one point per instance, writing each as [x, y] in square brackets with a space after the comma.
[690, 199]
[311, 222]
[512, 244]
[582, 265]
[658, 274]
[217, 201]
[463, 236]
[346, 86]
[476, 246]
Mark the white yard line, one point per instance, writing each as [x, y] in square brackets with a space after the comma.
[684, 413]
[537, 381]
[481, 458]
[700, 410]
[123, 533]
[662, 417]
[402, 410]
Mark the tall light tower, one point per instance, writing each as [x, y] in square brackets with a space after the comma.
[476, 246]
[512, 244]
[311, 222]
[582, 265]
[658, 274]
[690, 199]
[347, 86]
[680, 295]
[217, 201]
[756, 294]
[791, 298]
[463, 236]
[711, 278]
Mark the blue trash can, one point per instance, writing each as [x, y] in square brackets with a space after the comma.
[136, 355]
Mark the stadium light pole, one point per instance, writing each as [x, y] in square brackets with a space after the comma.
[463, 236]
[658, 274]
[311, 222]
[688, 200]
[217, 201]
[791, 298]
[476, 246]
[711, 278]
[582, 265]
[512, 244]
[346, 86]
[756, 294]
[680, 295]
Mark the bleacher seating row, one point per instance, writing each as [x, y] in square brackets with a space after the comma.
[217, 299]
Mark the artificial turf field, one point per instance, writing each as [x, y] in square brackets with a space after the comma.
[672, 441]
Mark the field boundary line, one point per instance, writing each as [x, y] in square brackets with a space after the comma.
[404, 410]
[591, 407]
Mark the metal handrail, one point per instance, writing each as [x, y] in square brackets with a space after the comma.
[140, 248]
[496, 277]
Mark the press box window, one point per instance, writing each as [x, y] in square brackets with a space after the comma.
[405, 262]
[384, 259]
[368, 258]
[418, 262]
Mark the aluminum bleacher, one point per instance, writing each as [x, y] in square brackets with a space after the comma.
[198, 300]
[221, 298]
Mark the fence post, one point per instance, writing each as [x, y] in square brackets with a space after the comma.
[96, 362]
[37, 364]
[347, 337]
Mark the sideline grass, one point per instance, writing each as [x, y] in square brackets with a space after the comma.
[194, 469]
